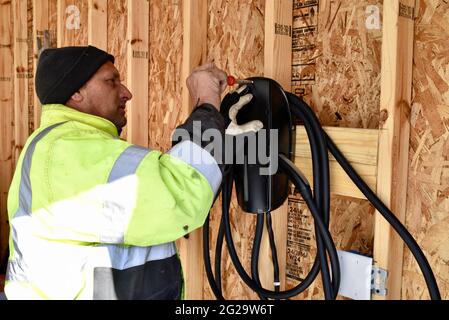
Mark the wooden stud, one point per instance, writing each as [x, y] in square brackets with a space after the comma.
[278, 41]
[44, 36]
[360, 148]
[72, 23]
[30, 66]
[277, 66]
[194, 53]
[194, 44]
[98, 24]
[21, 76]
[6, 119]
[137, 73]
[395, 98]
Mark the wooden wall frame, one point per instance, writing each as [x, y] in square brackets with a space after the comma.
[388, 175]
[394, 135]
[194, 52]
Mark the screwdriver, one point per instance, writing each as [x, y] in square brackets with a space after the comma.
[232, 81]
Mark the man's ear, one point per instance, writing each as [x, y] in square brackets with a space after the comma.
[77, 97]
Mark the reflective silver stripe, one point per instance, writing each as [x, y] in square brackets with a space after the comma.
[154, 280]
[25, 194]
[15, 269]
[201, 160]
[15, 272]
[119, 257]
[127, 163]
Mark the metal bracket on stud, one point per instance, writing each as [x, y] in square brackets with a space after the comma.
[378, 281]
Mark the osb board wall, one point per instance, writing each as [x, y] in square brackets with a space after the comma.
[336, 69]
[235, 43]
[351, 226]
[427, 215]
[336, 60]
[165, 72]
[117, 27]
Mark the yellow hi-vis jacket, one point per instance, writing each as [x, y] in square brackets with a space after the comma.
[95, 217]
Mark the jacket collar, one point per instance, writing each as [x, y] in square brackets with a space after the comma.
[55, 113]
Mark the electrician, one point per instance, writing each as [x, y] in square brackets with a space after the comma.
[93, 216]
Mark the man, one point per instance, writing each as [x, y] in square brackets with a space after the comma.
[93, 216]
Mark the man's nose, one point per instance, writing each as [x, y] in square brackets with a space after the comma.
[126, 93]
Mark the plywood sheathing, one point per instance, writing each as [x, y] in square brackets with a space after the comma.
[351, 226]
[427, 216]
[117, 33]
[235, 43]
[343, 60]
[235, 36]
[165, 72]
[337, 60]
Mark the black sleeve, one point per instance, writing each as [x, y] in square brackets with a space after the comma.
[204, 117]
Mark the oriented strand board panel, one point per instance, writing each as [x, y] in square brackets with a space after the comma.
[427, 216]
[351, 226]
[336, 60]
[117, 31]
[6, 120]
[336, 69]
[235, 42]
[236, 36]
[117, 28]
[165, 82]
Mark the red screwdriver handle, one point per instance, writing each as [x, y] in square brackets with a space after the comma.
[231, 80]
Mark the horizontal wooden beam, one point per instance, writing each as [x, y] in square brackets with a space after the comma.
[360, 148]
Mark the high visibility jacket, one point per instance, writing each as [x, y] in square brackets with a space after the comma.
[95, 217]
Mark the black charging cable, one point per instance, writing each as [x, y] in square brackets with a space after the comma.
[322, 201]
[378, 204]
[253, 284]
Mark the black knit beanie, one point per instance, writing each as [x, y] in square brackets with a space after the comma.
[62, 71]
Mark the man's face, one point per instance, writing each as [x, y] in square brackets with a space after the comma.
[105, 96]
